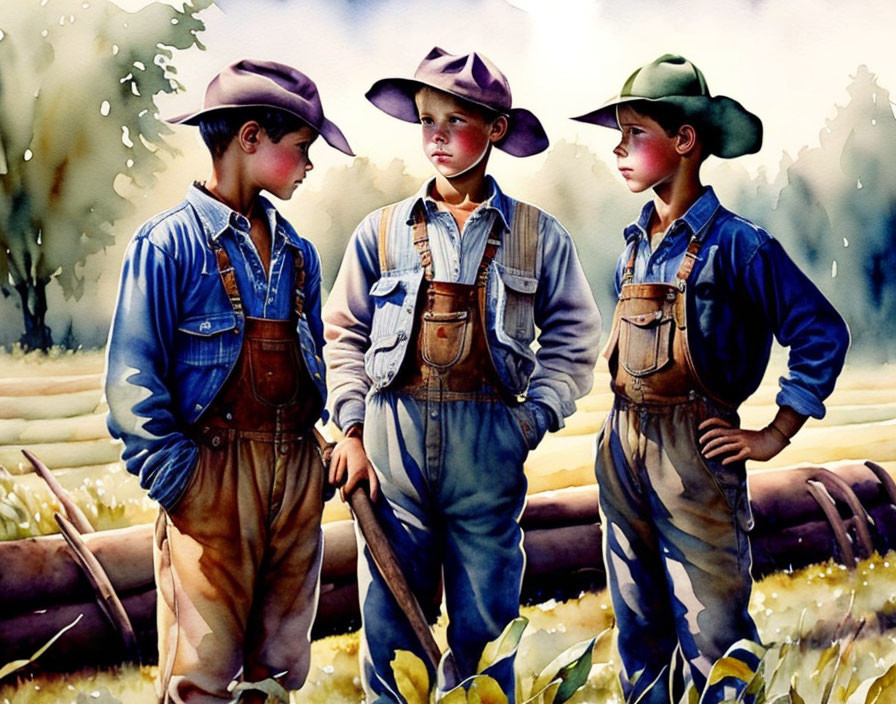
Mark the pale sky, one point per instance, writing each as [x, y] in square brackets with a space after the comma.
[790, 62]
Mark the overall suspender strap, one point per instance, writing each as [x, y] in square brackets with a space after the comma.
[421, 244]
[690, 257]
[420, 237]
[382, 241]
[522, 248]
[228, 277]
[687, 263]
[298, 264]
[628, 273]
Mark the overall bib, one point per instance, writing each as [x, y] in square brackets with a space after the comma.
[449, 456]
[238, 557]
[675, 524]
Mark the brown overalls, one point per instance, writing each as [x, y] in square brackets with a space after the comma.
[238, 557]
[675, 544]
[451, 360]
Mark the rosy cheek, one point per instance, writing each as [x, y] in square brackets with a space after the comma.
[469, 141]
[281, 166]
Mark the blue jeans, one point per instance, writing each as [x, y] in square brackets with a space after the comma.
[453, 488]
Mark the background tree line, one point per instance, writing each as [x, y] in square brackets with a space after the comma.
[80, 148]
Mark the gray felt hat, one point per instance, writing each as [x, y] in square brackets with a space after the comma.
[471, 77]
[267, 84]
[676, 81]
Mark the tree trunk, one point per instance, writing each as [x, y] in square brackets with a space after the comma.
[37, 335]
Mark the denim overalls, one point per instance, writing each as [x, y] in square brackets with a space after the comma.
[449, 455]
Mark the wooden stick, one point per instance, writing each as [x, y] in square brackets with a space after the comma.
[388, 566]
[74, 514]
[106, 597]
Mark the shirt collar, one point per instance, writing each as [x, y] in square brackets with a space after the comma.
[216, 218]
[696, 217]
[496, 200]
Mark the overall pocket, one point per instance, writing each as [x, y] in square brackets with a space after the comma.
[274, 370]
[645, 342]
[446, 338]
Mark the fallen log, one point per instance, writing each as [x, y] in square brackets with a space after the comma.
[562, 543]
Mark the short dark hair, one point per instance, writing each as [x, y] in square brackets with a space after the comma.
[671, 117]
[219, 127]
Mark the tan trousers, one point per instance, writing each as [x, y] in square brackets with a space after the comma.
[237, 564]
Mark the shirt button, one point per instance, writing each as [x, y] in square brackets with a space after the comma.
[284, 448]
[216, 441]
[433, 414]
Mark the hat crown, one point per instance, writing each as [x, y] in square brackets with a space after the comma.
[666, 76]
[250, 82]
[468, 75]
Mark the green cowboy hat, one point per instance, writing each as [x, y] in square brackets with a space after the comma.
[676, 81]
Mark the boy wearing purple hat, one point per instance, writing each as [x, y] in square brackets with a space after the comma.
[214, 382]
[433, 378]
[702, 292]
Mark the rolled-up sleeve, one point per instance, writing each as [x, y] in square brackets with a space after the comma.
[803, 320]
[569, 323]
[141, 407]
[347, 317]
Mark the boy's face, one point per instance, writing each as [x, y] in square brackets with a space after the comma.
[281, 166]
[646, 155]
[456, 136]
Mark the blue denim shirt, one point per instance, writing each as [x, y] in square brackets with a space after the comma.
[175, 336]
[744, 290]
[370, 313]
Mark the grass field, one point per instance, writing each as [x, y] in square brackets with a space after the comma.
[53, 406]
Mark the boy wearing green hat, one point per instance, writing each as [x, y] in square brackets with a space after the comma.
[702, 292]
[432, 375]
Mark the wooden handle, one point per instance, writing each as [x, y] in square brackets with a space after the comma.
[106, 597]
[388, 566]
[74, 514]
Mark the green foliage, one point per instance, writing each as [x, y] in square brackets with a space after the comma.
[110, 499]
[836, 212]
[271, 688]
[555, 684]
[77, 87]
[329, 214]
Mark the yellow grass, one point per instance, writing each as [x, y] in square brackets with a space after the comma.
[860, 424]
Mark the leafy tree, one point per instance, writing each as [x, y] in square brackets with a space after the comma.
[839, 206]
[78, 80]
[592, 202]
[328, 216]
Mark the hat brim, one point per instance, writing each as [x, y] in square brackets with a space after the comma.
[737, 130]
[396, 97]
[327, 129]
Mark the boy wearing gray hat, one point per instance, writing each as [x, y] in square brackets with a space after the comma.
[214, 383]
[433, 378]
[702, 292]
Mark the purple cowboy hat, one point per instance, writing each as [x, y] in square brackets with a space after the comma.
[267, 84]
[471, 77]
